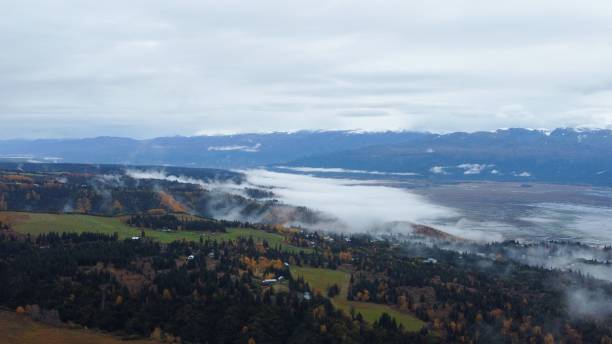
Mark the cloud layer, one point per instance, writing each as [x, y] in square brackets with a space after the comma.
[358, 205]
[150, 68]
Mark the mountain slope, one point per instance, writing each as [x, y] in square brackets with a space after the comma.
[563, 155]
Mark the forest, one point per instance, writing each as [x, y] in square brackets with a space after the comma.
[240, 289]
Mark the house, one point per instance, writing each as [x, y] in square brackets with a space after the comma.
[135, 238]
[280, 278]
[430, 261]
[191, 257]
[286, 264]
[307, 296]
[269, 281]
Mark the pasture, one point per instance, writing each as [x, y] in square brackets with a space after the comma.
[39, 223]
[321, 279]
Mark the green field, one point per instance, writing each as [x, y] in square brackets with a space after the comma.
[38, 223]
[20, 329]
[322, 279]
[273, 239]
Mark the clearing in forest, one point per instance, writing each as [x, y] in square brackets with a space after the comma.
[322, 279]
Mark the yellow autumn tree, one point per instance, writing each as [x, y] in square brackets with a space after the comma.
[319, 312]
[549, 339]
[117, 206]
[83, 205]
[168, 202]
[156, 334]
[3, 203]
[166, 294]
[345, 256]
[401, 302]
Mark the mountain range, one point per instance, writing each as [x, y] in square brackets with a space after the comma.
[561, 155]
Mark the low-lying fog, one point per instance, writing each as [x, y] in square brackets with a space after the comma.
[480, 212]
[476, 211]
[358, 205]
[532, 212]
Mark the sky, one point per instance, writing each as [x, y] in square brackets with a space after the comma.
[160, 68]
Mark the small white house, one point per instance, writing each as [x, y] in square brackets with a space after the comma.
[191, 257]
[269, 281]
[135, 238]
[307, 296]
[430, 261]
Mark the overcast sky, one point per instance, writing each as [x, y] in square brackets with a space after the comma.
[153, 68]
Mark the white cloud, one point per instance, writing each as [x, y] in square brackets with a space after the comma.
[358, 205]
[150, 68]
[473, 168]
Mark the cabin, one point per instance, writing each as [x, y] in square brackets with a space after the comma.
[269, 281]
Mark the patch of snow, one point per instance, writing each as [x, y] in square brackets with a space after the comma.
[438, 170]
[343, 170]
[474, 168]
[252, 149]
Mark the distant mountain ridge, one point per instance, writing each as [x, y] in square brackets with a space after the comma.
[561, 155]
[221, 151]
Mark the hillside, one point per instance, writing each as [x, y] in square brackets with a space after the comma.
[20, 329]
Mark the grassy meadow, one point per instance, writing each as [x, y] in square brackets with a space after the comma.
[321, 279]
[20, 329]
[38, 223]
